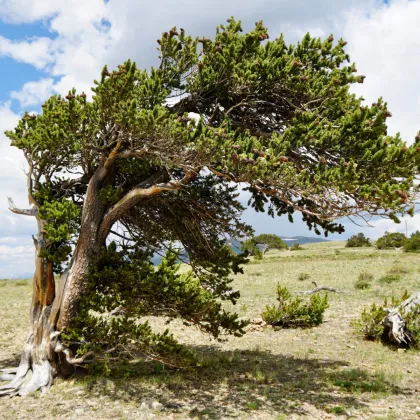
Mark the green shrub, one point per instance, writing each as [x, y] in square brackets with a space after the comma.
[412, 244]
[20, 283]
[397, 269]
[370, 324]
[258, 255]
[295, 312]
[391, 241]
[304, 276]
[389, 278]
[357, 241]
[363, 281]
[296, 247]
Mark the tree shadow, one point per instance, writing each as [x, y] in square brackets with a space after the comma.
[11, 362]
[232, 383]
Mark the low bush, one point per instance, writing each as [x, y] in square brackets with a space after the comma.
[304, 276]
[370, 324]
[293, 312]
[412, 244]
[357, 241]
[296, 247]
[397, 269]
[20, 283]
[389, 278]
[391, 241]
[363, 281]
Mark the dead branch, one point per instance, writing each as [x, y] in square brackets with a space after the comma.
[319, 289]
[26, 212]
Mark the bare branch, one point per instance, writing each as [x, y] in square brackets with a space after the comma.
[145, 189]
[26, 212]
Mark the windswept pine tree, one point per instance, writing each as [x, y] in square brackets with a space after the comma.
[113, 179]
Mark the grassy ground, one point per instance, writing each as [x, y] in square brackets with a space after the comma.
[320, 373]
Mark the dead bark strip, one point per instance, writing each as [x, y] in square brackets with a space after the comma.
[394, 323]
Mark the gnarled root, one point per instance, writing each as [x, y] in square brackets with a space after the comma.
[34, 372]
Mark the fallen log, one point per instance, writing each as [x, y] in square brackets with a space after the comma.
[394, 323]
[319, 289]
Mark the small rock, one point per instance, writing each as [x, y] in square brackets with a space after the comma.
[156, 405]
[149, 404]
[144, 406]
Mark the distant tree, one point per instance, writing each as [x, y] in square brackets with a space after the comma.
[358, 240]
[391, 240]
[260, 244]
[277, 120]
[249, 247]
[270, 241]
[412, 244]
[296, 247]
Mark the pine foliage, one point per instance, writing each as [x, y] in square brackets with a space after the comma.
[277, 120]
[295, 312]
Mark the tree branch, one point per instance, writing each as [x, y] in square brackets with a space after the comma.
[147, 188]
[26, 212]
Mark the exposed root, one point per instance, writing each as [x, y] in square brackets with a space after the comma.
[29, 376]
[42, 379]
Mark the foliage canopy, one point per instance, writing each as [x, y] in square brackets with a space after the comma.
[358, 240]
[278, 120]
[260, 244]
[390, 240]
[412, 244]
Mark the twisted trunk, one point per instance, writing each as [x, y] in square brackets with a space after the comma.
[43, 357]
[53, 309]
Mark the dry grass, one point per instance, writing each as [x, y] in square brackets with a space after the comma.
[324, 372]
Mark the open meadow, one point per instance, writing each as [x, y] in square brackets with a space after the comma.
[318, 373]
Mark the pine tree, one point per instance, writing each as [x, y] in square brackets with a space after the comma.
[278, 120]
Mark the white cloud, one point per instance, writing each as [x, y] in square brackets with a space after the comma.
[13, 184]
[382, 39]
[386, 47]
[33, 93]
[34, 51]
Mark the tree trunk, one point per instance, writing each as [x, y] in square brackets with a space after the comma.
[394, 323]
[43, 357]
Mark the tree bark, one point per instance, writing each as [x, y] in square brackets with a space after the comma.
[51, 309]
[394, 323]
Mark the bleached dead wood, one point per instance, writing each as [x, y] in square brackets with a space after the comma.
[320, 289]
[394, 323]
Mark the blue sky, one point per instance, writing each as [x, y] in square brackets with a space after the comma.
[49, 46]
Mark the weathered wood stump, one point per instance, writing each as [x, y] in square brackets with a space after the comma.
[394, 324]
